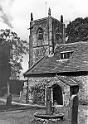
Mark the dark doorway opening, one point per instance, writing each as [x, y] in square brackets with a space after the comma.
[57, 95]
[74, 90]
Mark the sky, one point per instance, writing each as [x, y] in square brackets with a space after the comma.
[15, 14]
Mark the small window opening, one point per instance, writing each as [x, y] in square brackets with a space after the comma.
[66, 55]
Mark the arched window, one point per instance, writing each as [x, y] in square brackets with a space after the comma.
[40, 34]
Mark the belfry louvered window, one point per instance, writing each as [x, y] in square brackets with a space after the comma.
[40, 34]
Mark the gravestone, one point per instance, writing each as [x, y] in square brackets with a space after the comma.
[9, 100]
[73, 111]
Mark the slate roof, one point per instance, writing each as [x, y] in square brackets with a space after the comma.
[78, 62]
[45, 66]
[70, 46]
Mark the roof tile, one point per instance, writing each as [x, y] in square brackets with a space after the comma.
[51, 65]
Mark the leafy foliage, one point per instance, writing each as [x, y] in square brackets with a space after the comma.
[38, 92]
[18, 48]
[77, 30]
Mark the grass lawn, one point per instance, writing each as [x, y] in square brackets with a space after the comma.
[19, 114]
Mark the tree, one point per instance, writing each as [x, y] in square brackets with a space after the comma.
[18, 48]
[77, 30]
[4, 67]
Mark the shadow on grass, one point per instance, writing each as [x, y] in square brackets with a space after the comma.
[17, 107]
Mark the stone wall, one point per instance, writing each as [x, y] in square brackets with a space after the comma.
[38, 48]
[83, 92]
[42, 82]
[37, 88]
[41, 47]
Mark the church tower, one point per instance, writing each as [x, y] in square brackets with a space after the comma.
[45, 33]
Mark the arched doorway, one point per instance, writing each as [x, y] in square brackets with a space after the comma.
[57, 95]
